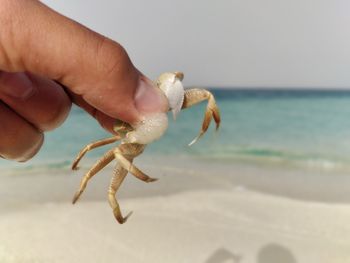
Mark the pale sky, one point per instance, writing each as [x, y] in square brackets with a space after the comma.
[228, 43]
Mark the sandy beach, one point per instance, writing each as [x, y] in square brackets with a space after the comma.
[264, 87]
[198, 211]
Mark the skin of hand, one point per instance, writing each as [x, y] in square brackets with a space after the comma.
[48, 61]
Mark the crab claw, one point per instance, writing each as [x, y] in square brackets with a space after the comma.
[157, 123]
[171, 85]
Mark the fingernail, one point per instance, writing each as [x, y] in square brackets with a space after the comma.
[17, 85]
[148, 98]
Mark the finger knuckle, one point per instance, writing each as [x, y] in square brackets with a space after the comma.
[111, 57]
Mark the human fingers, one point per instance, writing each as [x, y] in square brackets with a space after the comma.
[19, 140]
[39, 101]
[30, 105]
[90, 65]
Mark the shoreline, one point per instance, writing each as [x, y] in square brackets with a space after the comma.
[181, 175]
[197, 212]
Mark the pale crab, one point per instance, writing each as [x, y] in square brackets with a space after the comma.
[135, 138]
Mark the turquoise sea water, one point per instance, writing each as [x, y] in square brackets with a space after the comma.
[287, 128]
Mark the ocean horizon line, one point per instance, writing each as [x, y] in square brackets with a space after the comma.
[272, 93]
[267, 88]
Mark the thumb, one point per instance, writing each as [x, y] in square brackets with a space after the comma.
[149, 98]
[37, 39]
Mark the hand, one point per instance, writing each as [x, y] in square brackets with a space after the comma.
[47, 61]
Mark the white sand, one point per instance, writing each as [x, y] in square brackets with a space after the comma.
[190, 215]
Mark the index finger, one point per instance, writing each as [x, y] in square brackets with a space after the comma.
[37, 39]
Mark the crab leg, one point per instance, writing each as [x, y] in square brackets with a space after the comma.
[195, 96]
[119, 175]
[127, 165]
[91, 146]
[100, 164]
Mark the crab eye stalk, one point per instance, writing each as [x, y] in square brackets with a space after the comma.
[179, 75]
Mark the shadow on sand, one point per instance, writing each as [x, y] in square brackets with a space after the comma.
[222, 255]
[274, 253]
[270, 253]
